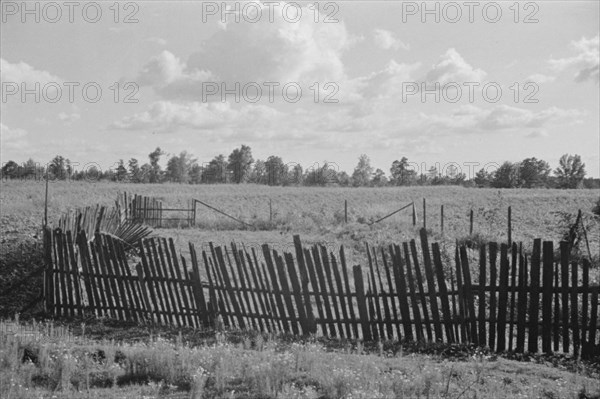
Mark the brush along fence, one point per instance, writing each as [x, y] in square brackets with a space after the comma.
[152, 212]
[506, 300]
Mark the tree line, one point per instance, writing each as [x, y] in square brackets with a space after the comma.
[241, 167]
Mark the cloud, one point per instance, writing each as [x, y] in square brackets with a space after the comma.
[540, 78]
[278, 51]
[385, 40]
[387, 82]
[68, 118]
[24, 73]
[157, 40]
[452, 67]
[165, 116]
[12, 139]
[586, 62]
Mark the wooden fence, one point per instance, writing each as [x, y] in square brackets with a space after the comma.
[150, 211]
[505, 300]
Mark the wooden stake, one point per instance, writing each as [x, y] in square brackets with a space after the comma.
[442, 218]
[346, 211]
[510, 225]
[471, 222]
[424, 214]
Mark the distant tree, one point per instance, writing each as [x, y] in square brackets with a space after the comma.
[433, 177]
[32, 169]
[121, 173]
[215, 171]
[363, 172]
[10, 170]
[570, 172]
[344, 179]
[276, 171]
[146, 170]
[178, 167]
[295, 174]
[533, 172]
[155, 172]
[320, 176]
[483, 178]
[57, 168]
[134, 171]
[507, 176]
[379, 179]
[240, 164]
[258, 174]
[401, 174]
[195, 173]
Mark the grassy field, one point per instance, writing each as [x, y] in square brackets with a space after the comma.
[217, 364]
[49, 361]
[317, 214]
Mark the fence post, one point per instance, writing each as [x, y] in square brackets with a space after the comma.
[362, 303]
[424, 213]
[471, 222]
[270, 210]
[442, 218]
[414, 214]
[346, 211]
[510, 225]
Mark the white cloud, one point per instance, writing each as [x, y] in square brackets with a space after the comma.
[68, 118]
[283, 52]
[12, 139]
[452, 67]
[8, 134]
[540, 78]
[157, 40]
[586, 62]
[24, 73]
[385, 40]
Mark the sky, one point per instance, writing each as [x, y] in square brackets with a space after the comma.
[469, 84]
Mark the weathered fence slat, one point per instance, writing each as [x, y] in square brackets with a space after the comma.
[534, 298]
[522, 303]
[482, 297]
[362, 303]
[493, 248]
[502, 298]
[413, 293]
[468, 293]
[422, 297]
[548, 268]
[431, 289]
[443, 290]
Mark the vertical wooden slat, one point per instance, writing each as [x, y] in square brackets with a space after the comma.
[108, 280]
[213, 309]
[443, 290]
[384, 297]
[585, 285]
[247, 283]
[304, 281]
[348, 292]
[276, 291]
[422, 297]
[413, 293]
[147, 283]
[183, 284]
[169, 283]
[594, 314]
[152, 312]
[482, 299]
[373, 296]
[556, 317]
[262, 297]
[362, 303]
[502, 297]
[513, 285]
[92, 296]
[126, 302]
[114, 279]
[241, 294]
[198, 291]
[262, 272]
[341, 296]
[534, 300]
[431, 289]
[155, 278]
[575, 309]
[468, 294]
[334, 295]
[522, 302]
[223, 306]
[399, 277]
[66, 269]
[464, 332]
[374, 320]
[296, 292]
[323, 289]
[316, 289]
[74, 271]
[548, 268]
[493, 248]
[162, 280]
[286, 294]
[393, 295]
[242, 288]
[230, 292]
[99, 282]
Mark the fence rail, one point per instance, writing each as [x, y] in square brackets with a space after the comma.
[506, 300]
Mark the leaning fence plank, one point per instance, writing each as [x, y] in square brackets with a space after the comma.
[362, 303]
[548, 268]
[391, 293]
[183, 284]
[143, 288]
[264, 279]
[422, 297]
[109, 287]
[304, 281]
[534, 300]
[374, 320]
[594, 314]
[469, 297]
[238, 291]
[556, 317]
[159, 266]
[176, 302]
[242, 289]
[389, 326]
[334, 297]
[323, 290]
[522, 302]
[285, 293]
[413, 292]
[102, 290]
[316, 289]
[585, 286]
[262, 294]
[348, 292]
[222, 305]
[513, 288]
[431, 289]
[493, 248]
[297, 293]
[126, 302]
[502, 298]
[66, 270]
[276, 291]
[74, 271]
[92, 295]
[341, 295]
[198, 291]
[482, 299]
[464, 332]
[443, 290]
[575, 309]
[246, 282]
[372, 296]
[231, 293]
[399, 278]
